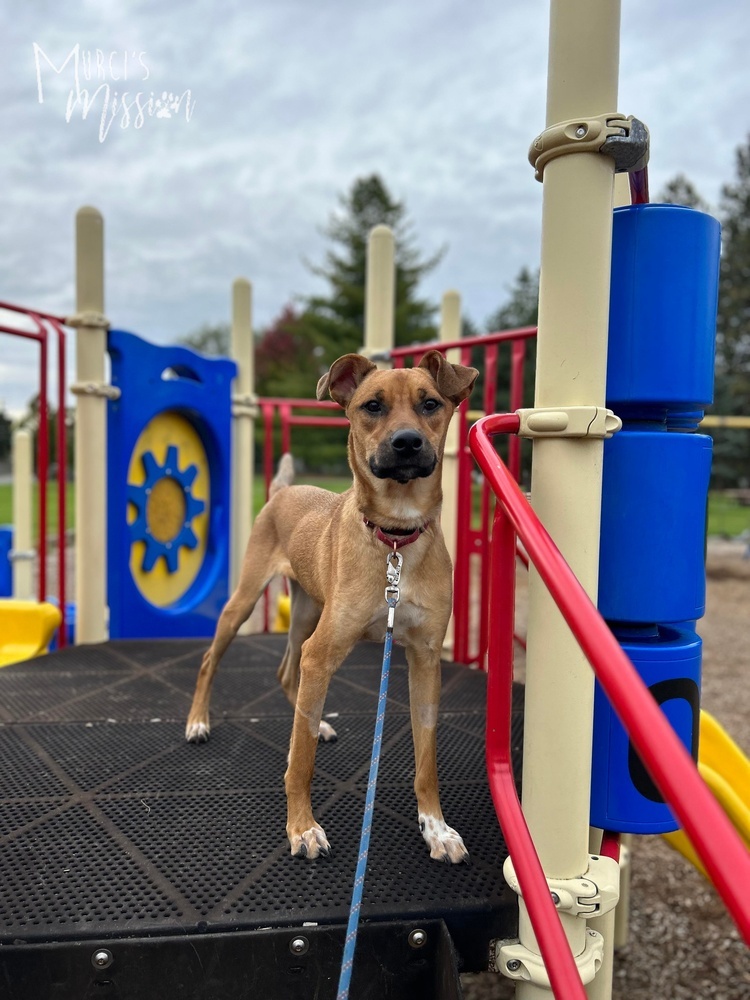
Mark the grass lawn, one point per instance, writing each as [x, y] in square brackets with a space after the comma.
[337, 484]
[6, 505]
[725, 515]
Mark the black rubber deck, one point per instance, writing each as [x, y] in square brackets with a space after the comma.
[112, 826]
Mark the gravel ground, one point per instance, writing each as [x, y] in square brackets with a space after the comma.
[682, 943]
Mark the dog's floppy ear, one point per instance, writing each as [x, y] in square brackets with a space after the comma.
[455, 382]
[343, 377]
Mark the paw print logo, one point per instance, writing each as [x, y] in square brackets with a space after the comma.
[164, 105]
[171, 105]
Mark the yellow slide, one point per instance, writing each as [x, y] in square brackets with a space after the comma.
[726, 771]
[26, 629]
[283, 613]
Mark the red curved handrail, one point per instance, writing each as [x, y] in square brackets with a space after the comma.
[722, 852]
[553, 943]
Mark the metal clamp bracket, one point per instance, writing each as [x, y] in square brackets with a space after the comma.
[517, 962]
[245, 405]
[88, 318]
[103, 389]
[624, 139]
[377, 355]
[591, 895]
[22, 555]
[568, 421]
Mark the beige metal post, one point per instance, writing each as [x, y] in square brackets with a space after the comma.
[450, 330]
[91, 391]
[566, 473]
[23, 553]
[601, 987]
[244, 412]
[380, 294]
[622, 913]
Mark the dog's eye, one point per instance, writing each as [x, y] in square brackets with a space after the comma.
[373, 406]
[430, 405]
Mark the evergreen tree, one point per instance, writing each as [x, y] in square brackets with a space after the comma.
[336, 321]
[521, 309]
[6, 430]
[211, 338]
[469, 328]
[680, 191]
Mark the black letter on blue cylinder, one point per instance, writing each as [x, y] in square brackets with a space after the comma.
[679, 687]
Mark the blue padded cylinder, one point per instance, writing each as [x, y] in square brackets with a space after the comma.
[655, 487]
[623, 796]
[662, 325]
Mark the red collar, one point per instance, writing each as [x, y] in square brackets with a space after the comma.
[396, 537]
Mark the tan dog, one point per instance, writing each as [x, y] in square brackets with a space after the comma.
[333, 549]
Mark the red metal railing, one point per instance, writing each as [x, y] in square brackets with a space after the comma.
[43, 322]
[722, 852]
[471, 574]
[270, 406]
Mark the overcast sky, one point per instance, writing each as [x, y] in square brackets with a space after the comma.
[284, 104]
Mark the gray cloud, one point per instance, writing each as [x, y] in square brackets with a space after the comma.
[292, 102]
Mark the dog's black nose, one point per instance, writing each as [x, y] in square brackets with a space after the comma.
[406, 442]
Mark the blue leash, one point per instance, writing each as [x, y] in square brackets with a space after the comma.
[395, 559]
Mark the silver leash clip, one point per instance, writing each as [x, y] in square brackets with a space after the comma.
[394, 562]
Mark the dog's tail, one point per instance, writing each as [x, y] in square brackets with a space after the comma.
[284, 474]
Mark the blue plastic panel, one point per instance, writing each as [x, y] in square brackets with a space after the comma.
[623, 797]
[6, 567]
[177, 386]
[662, 324]
[654, 494]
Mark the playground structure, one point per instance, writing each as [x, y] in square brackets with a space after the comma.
[560, 695]
[487, 576]
[170, 397]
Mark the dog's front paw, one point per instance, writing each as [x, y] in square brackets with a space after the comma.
[197, 732]
[443, 841]
[326, 732]
[310, 844]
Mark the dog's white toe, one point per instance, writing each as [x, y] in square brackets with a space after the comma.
[311, 844]
[197, 732]
[326, 732]
[444, 842]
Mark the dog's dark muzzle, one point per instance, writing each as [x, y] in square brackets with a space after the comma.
[404, 457]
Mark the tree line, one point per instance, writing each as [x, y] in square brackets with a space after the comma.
[310, 333]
